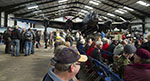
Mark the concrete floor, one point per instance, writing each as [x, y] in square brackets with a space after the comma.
[24, 68]
[27, 68]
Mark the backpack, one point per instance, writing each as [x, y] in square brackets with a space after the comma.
[28, 36]
[7, 35]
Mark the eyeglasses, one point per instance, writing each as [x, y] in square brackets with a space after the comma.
[77, 63]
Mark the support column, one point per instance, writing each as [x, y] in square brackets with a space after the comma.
[5, 19]
[143, 25]
[30, 25]
[33, 25]
[0, 18]
[15, 22]
[130, 29]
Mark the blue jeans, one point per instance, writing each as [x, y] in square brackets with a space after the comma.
[28, 47]
[15, 43]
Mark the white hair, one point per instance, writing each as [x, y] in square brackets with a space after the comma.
[99, 42]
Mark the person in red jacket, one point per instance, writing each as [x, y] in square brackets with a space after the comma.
[91, 48]
[123, 37]
[140, 69]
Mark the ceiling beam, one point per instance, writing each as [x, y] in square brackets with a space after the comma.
[140, 11]
[48, 8]
[7, 8]
[81, 4]
[65, 10]
[44, 12]
[103, 10]
[20, 8]
[56, 12]
[62, 15]
[73, 7]
[116, 7]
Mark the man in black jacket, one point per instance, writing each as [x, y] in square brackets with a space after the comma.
[46, 38]
[96, 53]
[7, 39]
[15, 41]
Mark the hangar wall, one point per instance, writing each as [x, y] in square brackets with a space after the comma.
[147, 25]
[23, 24]
[2, 19]
[12, 22]
[38, 25]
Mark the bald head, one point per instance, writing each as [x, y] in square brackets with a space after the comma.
[16, 27]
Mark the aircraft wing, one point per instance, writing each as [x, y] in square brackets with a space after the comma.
[53, 24]
[27, 20]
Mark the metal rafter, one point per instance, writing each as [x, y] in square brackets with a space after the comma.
[7, 8]
[103, 10]
[19, 8]
[66, 10]
[81, 4]
[48, 7]
[69, 9]
[74, 7]
[56, 12]
[142, 12]
[64, 14]
[116, 7]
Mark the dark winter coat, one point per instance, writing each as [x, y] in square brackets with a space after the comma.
[137, 72]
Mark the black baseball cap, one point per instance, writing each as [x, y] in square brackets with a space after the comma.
[69, 55]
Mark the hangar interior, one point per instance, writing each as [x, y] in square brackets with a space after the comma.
[127, 17]
[136, 12]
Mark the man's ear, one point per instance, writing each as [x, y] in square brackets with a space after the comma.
[71, 69]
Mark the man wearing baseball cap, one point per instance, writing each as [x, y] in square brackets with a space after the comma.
[67, 65]
[140, 69]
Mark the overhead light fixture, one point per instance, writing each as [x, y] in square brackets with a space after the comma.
[143, 3]
[63, 6]
[104, 17]
[39, 11]
[123, 10]
[84, 11]
[118, 11]
[41, 15]
[32, 6]
[81, 13]
[60, 1]
[94, 2]
[88, 7]
[99, 19]
[122, 19]
[111, 14]
[62, 10]
[128, 8]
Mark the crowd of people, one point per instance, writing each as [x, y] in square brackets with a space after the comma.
[129, 56]
[20, 40]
